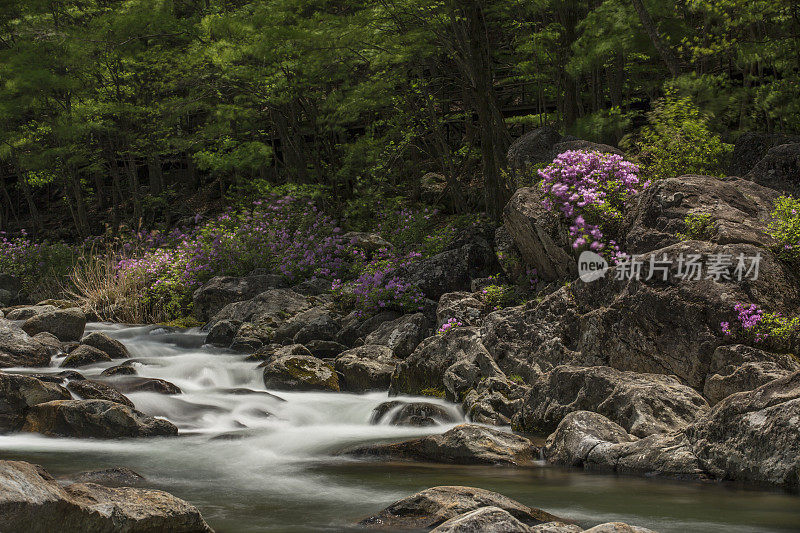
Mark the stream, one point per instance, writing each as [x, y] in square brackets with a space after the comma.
[251, 462]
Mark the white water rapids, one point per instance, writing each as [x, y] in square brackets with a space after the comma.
[252, 462]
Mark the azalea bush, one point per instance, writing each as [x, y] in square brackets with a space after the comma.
[39, 266]
[449, 325]
[379, 287]
[754, 325]
[785, 228]
[590, 190]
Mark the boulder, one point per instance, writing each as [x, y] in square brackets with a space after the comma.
[643, 404]
[93, 419]
[365, 368]
[66, 324]
[618, 527]
[19, 393]
[220, 291]
[17, 348]
[463, 306]
[274, 351]
[779, 169]
[223, 332]
[420, 414]
[432, 507]
[453, 269]
[325, 349]
[52, 343]
[753, 436]
[738, 209]
[104, 343]
[120, 370]
[26, 312]
[508, 256]
[300, 373]
[533, 149]
[751, 147]
[589, 440]
[131, 384]
[739, 368]
[84, 355]
[488, 519]
[261, 315]
[662, 327]
[355, 326]
[451, 364]
[401, 335]
[313, 287]
[584, 146]
[88, 389]
[494, 400]
[59, 377]
[541, 236]
[32, 501]
[467, 444]
[318, 323]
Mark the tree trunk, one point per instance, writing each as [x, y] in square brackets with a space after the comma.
[662, 48]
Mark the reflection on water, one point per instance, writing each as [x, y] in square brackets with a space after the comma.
[254, 462]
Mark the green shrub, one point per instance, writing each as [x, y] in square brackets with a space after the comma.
[677, 140]
[698, 227]
[785, 228]
[500, 296]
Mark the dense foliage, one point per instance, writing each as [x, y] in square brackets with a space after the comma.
[141, 113]
[785, 228]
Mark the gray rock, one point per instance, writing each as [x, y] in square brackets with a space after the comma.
[541, 236]
[464, 444]
[463, 306]
[313, 287]
[779, 169]
[420, 414]
[494, 400]
[17, 348]
[643, 404]
[532, 149]
[54, 345]
[119, 370]
[318, 323]
[355, 327]
[401, 335]
[220, 291]
[66, 324]
[325, 349]
[93, 419]
[508, 256]
[451, 363]
[751, 147]
[369, 242]
[114, 348]
[84, 355]
[578, 434]
[300, 373]
[738, 209]
[110, 477]
[26, 312]
[223, 332]
[585, 146]
[130, 384]
[740, 368]
[488, 519]
[88, 389]
[365, 368]
[618, 527]
[432, 507]
[753, 436]
[19, 393]
[32, 501]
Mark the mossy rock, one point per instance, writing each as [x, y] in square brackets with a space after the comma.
[300, 373]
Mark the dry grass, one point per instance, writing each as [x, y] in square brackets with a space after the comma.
[99, 287]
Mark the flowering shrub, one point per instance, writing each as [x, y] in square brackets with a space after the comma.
[34, 263]
[449, 325]
[590, 190]
[379, 287]
[405, 226]
[499, 296]
[755, 325]
[785, 228]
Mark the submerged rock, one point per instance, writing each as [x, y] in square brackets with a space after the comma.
[19, 393]
[432, 507]
[365, 368]
[66, 324]
[93, 419]
[300, 373]
[17, 348]
[32, 501]
[411, 414]
[125, 369]
[104, 343]
[464, 444]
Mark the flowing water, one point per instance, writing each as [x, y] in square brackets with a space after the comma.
[252, 462]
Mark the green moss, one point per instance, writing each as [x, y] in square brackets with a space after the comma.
[516, 378]
[183, 323]
[698, 227]
[433, 392]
